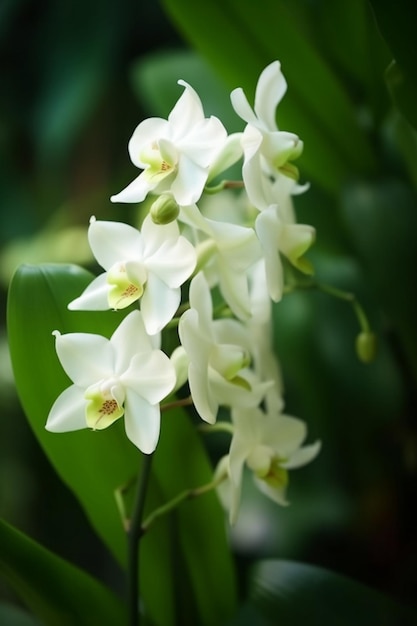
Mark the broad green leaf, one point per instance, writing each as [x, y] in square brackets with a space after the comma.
[334, 26]
[289, 592]
[382, 223]
[37, 305]
[316, 106]
[57, 592]
[200, 522]
[95, 464]
[396, 22]
[72, 79]
[403, 92]
[405, 137]
[13, 616]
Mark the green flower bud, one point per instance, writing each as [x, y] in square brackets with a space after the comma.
[164, 210]
[366, 346]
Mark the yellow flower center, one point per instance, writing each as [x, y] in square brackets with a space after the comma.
[161, 160]
[103, 408]
[122, 289]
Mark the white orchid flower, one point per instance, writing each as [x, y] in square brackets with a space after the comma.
[269, 445]
[124, 375]
[218, 353]
[148, 265]
[260, 331]
[175, 154]
[267, 149]
[280, 237]
[229, 250]
[279, 234]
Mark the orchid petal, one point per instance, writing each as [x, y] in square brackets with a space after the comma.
[270, 90]
[144, 136]
[195, 342]
[142, 422]
[159, 304]
[112, 242]
[242, 107]
[302, 456]
[204, 401]
[129, 339]
[150, 374]
[68, 411]
[136, 191]
[284, 434]
[187, 112]
[174, 262]
[189, 182]
[268, 229]
[94, 297]
[86, 358]
[200, 300]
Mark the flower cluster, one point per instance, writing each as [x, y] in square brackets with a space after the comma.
[225, 251]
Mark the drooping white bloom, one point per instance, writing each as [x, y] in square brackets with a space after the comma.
[219, 356]
[279, 233]
[175, 154]
[150, 265]
[266, 148]
[269, 445]
[123, 375]
[230, 251]
[260, 331]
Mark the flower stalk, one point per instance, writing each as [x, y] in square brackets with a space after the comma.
[187, 494]
[134, 532]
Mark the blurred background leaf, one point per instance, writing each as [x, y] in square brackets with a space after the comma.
[57, 592]
[289, 591]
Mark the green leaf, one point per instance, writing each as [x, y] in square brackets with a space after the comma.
[37, 305]
[13, 616]
[396, 22]
[57, 592]
[382, 222]
[316, 105]
[403, 92]
[200, 523]
[289, 592]
[94, 465]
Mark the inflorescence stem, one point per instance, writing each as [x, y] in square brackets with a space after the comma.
[134, 532]
[188, 494]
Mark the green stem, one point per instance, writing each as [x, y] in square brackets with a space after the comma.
[224, 184]
[188, 401]
[188, 494]
[218, 427]
[134, 534]
[347, 296]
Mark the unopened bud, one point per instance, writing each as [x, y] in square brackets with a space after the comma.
[366, 346]
[164, 210]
